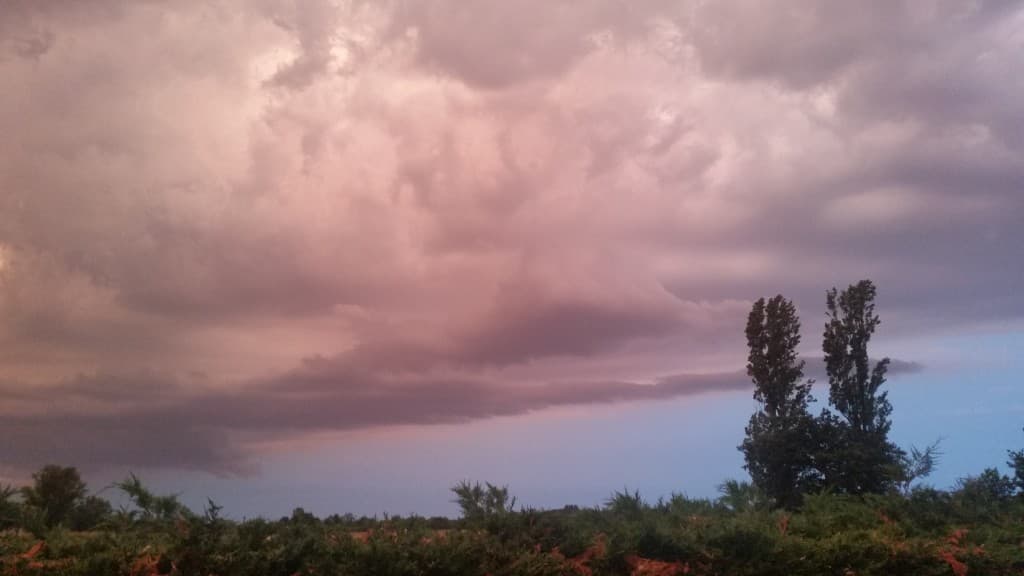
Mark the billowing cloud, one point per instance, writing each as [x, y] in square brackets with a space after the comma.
[379, 213]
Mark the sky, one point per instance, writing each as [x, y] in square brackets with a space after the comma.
[344, 254]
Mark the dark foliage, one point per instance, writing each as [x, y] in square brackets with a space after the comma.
[856, 456]
[924, 532]
[780, 442]
[1016, 463]
[10, 508]
[480, 502]
[89, 513]
[56, 491]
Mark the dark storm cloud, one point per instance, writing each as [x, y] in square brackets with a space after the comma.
[151, 420]
[147, 421]
[528, 328]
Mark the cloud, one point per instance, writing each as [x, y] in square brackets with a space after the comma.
[153, 420]
[473, 207]
[145, 420]
[815, 368]
[495, 44]
[524, 326]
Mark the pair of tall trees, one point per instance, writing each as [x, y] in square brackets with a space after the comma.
[788, 451]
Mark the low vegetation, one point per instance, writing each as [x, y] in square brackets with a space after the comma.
[978, 528]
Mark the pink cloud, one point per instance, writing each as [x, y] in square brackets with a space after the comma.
[472, 208]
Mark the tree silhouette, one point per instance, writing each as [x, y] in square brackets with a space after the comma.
[1016, 462]
[89, 513]
[479, 502]
[56, 491]
[857, 456]
[10, 510]
[780, 441]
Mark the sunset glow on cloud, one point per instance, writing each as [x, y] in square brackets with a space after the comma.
[261, 221]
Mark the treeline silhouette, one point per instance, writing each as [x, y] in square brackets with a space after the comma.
[830, 494]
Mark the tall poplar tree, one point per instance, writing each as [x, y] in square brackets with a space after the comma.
[779, 445]
[857, 456]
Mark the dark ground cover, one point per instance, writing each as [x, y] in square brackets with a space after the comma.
[977, 529]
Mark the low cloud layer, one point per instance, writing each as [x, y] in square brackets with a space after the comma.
[152, 420]
[368, 214]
